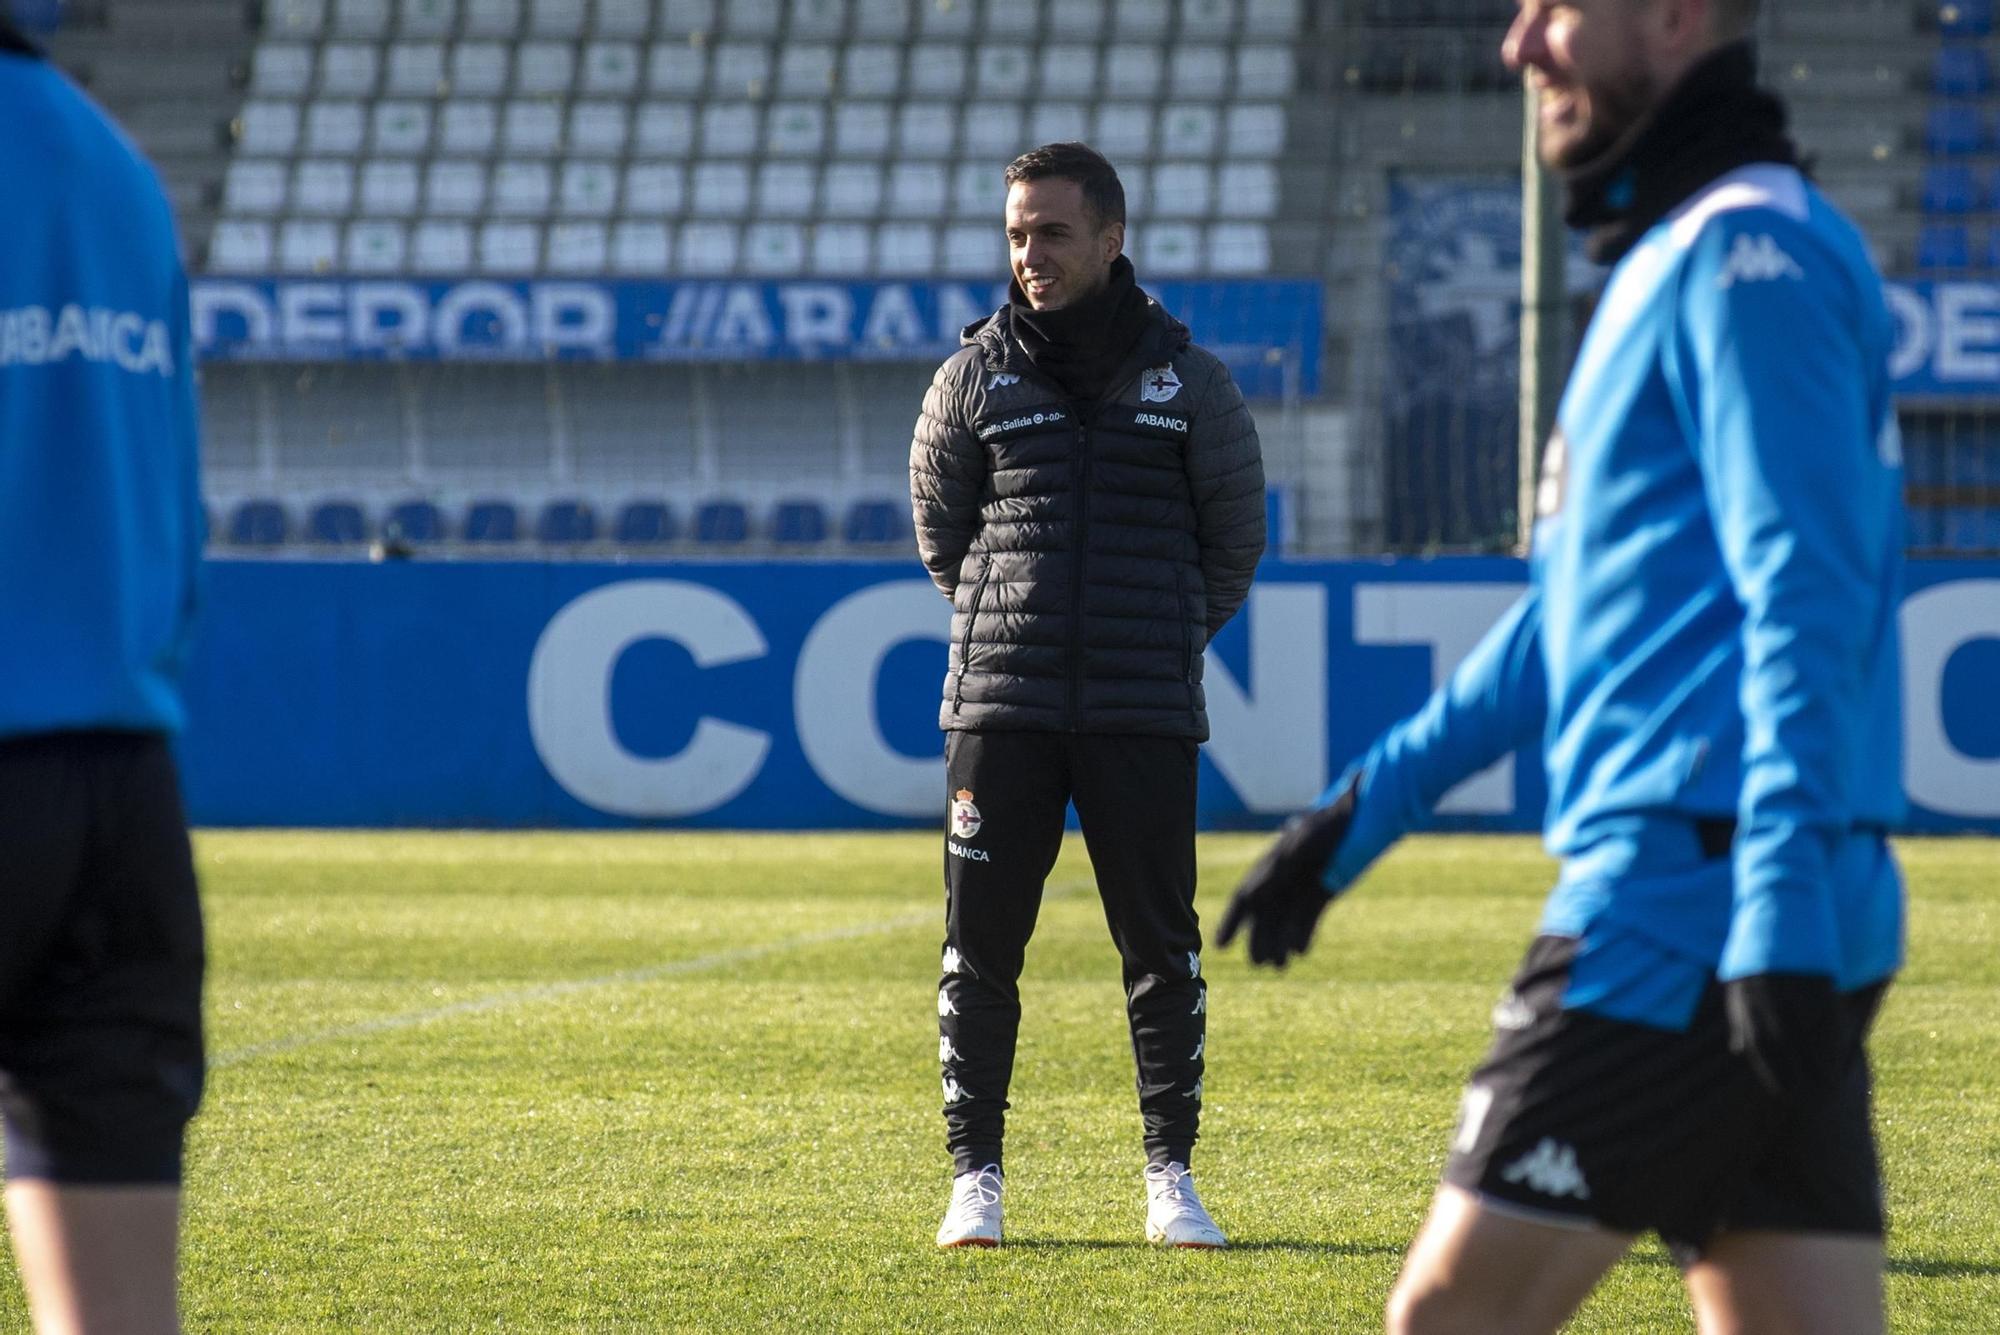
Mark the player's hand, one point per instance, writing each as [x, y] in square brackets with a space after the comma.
[1281, 898]
[1792, 1030]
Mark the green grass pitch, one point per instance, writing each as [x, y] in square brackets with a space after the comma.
[688, 1082]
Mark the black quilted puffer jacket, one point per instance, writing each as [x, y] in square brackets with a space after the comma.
[1090, 548]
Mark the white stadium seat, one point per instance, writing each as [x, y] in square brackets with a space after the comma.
[993, 131]
[1138, 183]
[389, 189]
[294, 18]
[598, 129]
[1134, 71]
[720, 190]
[323, 186]
[1170, 248]
[676, 69]
[544, 68]
[1071, 20]
[335, 127]
[522, 189]
[454, 188]
[805, 71]
[795, 129]
[730, 129]
[441, 248]
[751, 18]
[1264, 71]
[611, 69]
[1270, 18]
[1254, 130]
[1198, 71]
[1140, 20]
[926, 129]
[308, 247]
[1247, 190]
[401, 128]
[882, 18]
[686, 18]
[479, 69]
[579, 248]
[1207, 18]
[851, 190]
[416, 69]
[1069, 71]
[589, 189]
[510, 248]
[556, 18]
[953, 18]
[786, 189]
[862, 129]
[471, 128]
[492, 18]
[742, 69]
[532, 127]
[1239, 248]
[655, 190]
[978, 191]
[622, 18]
[916, 190]
[368, 19]
[1002, 70]
[975, 250]
[376, 248]
[1059, 122]
[818, 20]
[774, 249]
[840, 248]
[708, 247]
[240, 246]
[280, 69]
[663, 130]
[641, 248]
[937, 70]
[1122, 130]
[347, 69]
[906, 250]
[1181, 190]
[1014, 20]
[268, 127]
[427, 18]
[871, 69]
[1189, 130]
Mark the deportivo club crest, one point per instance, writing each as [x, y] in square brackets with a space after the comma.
[965, 819]
[1158, 385]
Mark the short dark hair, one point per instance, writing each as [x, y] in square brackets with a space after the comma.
[1103, 193]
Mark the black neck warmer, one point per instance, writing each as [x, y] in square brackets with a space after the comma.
[1083, 345]
[1713, 121]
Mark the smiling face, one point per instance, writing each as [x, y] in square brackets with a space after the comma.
[1058, 247]
[1598, 66]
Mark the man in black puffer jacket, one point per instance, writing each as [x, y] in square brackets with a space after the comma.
[1089, 492]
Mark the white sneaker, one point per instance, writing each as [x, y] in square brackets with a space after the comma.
[1174, 1213]
[973, 1218]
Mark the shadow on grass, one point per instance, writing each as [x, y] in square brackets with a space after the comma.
[1288, 1245]
[1917, 1265]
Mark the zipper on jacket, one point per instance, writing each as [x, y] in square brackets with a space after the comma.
[1080, 540]
[1187, 634]
[965, 641]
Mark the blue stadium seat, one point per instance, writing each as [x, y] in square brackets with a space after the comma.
[259, 523]
[338, 523]
[1965, 18]
[492, 521]
[1951, 187]
[1944, 246]
[722, 523]
[1926, 527]
[1971, 528]
[798, 524]
[566, 523]
[1961, 71]
[414, 522]
[1954, 129]
[876, 523]
[645, 524]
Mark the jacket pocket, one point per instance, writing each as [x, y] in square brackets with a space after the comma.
[1187, 632]
[965, 640]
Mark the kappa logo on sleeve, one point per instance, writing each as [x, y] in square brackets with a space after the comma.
[1000, 380]
[1757, 259]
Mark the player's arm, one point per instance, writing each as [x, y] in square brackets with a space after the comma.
[947, 479]
[1494, 702]
[1773, 383]
[186, 426]
[1225, 468]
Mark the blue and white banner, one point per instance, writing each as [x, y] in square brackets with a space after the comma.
[1947, 339]
[805, 695]
[1268, 330]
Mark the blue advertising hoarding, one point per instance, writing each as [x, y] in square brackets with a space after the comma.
[1267, 330]
[773, 695]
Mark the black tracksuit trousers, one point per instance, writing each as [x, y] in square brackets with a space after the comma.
[1135, 799]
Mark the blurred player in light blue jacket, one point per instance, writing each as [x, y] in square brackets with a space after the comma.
[1707, 659]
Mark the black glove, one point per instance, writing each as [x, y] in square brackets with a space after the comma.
[1792, 1030]
[1282, 897]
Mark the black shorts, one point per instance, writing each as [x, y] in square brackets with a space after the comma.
[1579, 1119]
[100, 960]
